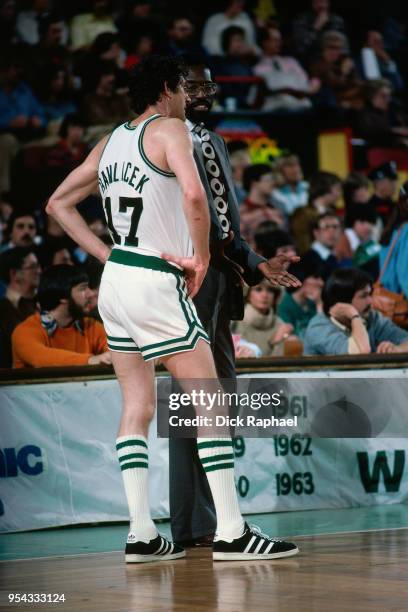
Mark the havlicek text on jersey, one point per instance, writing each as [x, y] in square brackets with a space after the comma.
[127, 173]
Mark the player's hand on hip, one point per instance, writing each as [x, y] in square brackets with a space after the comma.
[194, 269]
[275, 270]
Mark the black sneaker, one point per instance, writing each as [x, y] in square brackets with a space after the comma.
[158, 549]
[253, 544]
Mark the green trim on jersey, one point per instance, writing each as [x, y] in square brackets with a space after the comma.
[129, 258]
[143, 154]
[130, 127]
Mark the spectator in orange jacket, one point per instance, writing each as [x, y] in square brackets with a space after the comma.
[60, 335]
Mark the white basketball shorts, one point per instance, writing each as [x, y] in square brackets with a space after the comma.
[145, 308]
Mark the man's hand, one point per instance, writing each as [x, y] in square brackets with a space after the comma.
[102, 359]
[194, 271]
[387, 347]
[275, 270]
[218, 255]
[343, 312]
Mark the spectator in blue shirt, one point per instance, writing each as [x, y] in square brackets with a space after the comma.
[20, 111]
[348, 324]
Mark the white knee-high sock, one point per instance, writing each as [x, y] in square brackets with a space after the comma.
[133, 459]
[217, 458]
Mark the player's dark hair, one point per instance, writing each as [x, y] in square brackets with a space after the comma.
[149, 78]
[342, 286]
[13, 259]
[253, 173]
[56, 283]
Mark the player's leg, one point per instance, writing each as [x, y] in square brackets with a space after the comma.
[234, 538]
[136, 379]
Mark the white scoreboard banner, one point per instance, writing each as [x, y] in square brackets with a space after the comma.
[58, 463]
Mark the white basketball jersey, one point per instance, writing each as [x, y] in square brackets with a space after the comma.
[142, 203]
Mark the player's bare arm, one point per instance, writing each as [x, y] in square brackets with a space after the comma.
[79, 184]
[181, 161]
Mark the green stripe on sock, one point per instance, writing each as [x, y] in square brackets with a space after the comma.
[214, 444]
[131, 443]
[219, 466]
[133, 464]
[217, 458]
[133, 456]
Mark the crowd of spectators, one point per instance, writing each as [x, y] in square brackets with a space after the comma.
[64, 72]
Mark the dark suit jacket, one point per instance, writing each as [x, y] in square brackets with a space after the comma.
[238, 250]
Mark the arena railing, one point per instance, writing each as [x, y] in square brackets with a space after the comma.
[243, 366]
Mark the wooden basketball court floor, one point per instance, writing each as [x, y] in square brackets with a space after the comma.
[351, 560]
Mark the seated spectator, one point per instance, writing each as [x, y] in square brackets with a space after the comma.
[57, 93]
[341, 85]
[260, 325]
[60, 335]
[94, 269]
[377, 122]
[360, 233]
[258, 182]
[86, 26]
[29, 22]
[384, 179]
[299, 305]
[288, 88]
[141, 46]
[322, 252]
[69, 152]
[348, 325]
[324, 192]
[137, 21]
[309, 27]
[181, 38]
[21, 116]
[270, 241]
[105, 50]
[356, 190]
[233, 15]
[104, 106]
[51, 49]
[394, 247]
[234, 63]
[376, 63]
[21, 231]
[20, 271]
[292, 191]
[8, 20]
[54, 252]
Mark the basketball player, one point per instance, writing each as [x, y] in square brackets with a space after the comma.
[155, 204]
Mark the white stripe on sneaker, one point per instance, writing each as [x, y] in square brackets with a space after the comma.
[159, 550]
[268, 548]
[252, 540]
[258, 548]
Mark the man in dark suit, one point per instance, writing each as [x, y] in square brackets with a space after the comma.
[219, 301]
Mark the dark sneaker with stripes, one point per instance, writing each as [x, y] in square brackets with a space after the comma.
[253, 544]
[158, 549]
